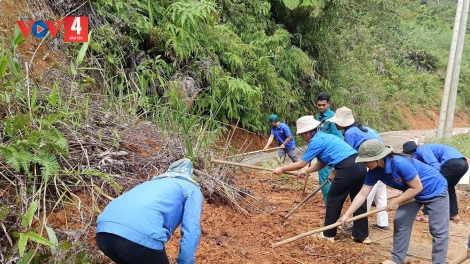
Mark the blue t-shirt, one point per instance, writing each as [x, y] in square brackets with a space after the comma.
[281, 133]
[329, 127]
[328, 149]
[355, 137]
[436, 154]
[402, 170]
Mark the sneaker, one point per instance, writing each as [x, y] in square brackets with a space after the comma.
[362, 240]
[321, 236]
[346, 228]
[382, 228]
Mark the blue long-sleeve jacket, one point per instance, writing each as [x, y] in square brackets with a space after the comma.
[355, 137]
[149, 213]
[436, 154]
[329, 127]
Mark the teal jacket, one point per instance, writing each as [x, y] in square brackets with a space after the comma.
[329, 127]
[149, 213]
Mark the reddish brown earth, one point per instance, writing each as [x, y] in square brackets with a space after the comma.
[428, 119]
[246, 141]
[228, 236]
[44, 59]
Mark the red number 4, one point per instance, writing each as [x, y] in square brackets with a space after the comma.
[76, 29]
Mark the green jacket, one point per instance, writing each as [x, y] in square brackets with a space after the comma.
[329, 127]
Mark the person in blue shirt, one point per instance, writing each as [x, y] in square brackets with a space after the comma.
[417, 180]
[468, 247]
[134, 227]
[284, 138]
[323, 105]
[450, 162]
[334, 152]
[355, 134]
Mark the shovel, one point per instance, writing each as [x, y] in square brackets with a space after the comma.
[328, 227]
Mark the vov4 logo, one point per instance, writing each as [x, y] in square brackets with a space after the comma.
[75, 28]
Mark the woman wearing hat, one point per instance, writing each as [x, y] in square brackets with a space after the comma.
[355, 134]
[332, 151]
[450, 162]
[417, 180]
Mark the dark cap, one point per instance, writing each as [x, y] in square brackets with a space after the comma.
[409, 146]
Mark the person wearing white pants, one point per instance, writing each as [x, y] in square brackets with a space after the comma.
[355, 134]
[378, 194]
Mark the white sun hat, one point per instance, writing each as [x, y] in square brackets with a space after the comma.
[343, 117]
[306, 123]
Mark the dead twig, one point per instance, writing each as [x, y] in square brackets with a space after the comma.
[7, 236]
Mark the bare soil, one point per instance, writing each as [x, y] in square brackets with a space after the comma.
[428, 119]
[231, 237]
[246, 141]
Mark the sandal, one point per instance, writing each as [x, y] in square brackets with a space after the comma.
[362, 240]
[455, 217]
[321, 236]
[421, 218]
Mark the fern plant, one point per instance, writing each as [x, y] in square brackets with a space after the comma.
[28, 146]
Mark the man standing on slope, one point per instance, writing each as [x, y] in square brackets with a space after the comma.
[323, 105]
[284, 138]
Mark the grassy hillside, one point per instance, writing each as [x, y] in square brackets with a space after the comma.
[247, 59]
[160, 80]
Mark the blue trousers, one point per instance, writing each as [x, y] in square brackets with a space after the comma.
[322, 177]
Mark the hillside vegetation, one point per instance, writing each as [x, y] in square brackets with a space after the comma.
[247, 59]
[161, 80]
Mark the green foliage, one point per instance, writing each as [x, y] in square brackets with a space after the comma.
[29, 235]
[380, 58]
[30, 146]
[52, 239]
[28, 216]
[187, 25]
[27, 257]
[174, 118]
[24, 237]
[243, 68]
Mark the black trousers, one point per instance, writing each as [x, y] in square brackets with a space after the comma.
[453, 170]
[123, 251]
[348, 181]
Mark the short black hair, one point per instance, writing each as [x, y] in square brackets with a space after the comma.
[323, 96]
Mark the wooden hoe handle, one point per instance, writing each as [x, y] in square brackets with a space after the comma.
[250, 166]
[328, 227]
